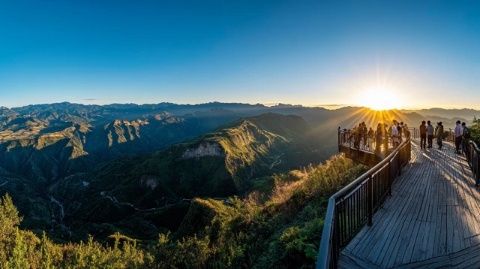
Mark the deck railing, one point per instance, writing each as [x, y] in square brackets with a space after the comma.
[353, 206]
[472, 151]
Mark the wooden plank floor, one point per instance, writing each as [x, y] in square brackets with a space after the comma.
[432, 219]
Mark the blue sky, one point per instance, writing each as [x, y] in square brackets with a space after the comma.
[302, 52]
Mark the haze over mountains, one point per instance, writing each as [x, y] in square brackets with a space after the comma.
[77, 169]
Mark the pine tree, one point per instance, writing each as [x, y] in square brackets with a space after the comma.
[46, 258]
[9, 221]
[9, 218]
[19, 259]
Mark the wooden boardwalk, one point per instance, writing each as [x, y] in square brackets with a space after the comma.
[432, 219]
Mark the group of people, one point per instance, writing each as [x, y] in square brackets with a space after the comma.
[461, 135]
[428, 132]
[371, 139]
[379, 139]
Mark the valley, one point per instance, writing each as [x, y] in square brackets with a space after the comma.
[75, 170]
[142, 171]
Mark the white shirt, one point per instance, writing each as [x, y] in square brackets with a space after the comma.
[458, 130]
[394, 130]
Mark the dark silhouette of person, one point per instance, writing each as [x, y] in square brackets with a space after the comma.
[357, 133]
[379, 134]
[406, 131]
[465, 138]
[386, 136]
[439, 134]
[430, 133]
[395, 133]
[400, 128]
[423, 135]
[371, 138]
[364, 134]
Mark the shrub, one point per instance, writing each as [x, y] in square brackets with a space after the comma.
[278, 229]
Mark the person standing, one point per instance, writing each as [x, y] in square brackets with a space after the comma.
[379, 137]
[406, 131]
[395, 132]
[386, 136]
[423, 135]
[458, 137]
[365, 135]
[430, 132]
[356, 137]
[465, 138]
[439, 134]
[371, 138]
[400, 132]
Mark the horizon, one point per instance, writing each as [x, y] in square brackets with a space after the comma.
[308, 52]
[324, 106]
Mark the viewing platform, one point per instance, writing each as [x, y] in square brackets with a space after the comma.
[428, 214]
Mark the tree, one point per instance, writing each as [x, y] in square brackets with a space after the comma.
[18, 259]
[9, 218]
[9, 222]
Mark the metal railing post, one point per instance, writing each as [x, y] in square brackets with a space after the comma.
[370, 201]
[389, 178]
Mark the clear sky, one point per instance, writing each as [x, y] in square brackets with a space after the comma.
[426, 54]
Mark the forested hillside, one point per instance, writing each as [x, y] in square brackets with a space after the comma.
[233, 184]
[279, 228]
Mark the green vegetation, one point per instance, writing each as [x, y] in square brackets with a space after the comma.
[475, 130]
[230, 161]
[20, 249]
[279, 228]
[75, 170]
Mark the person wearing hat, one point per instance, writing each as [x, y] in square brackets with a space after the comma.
[439, 134]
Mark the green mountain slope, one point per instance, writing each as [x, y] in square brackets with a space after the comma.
[277, 229]
[230, 161]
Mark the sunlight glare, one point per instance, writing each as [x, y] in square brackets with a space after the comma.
[379, 99]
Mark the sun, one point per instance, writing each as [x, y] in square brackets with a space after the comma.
[379, 99]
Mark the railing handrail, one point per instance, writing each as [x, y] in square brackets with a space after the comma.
[359, 180]
[324, 255]
[475, 146]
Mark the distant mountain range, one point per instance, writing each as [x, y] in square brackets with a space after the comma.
[75, 169]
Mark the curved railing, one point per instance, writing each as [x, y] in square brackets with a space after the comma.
[353, 206]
